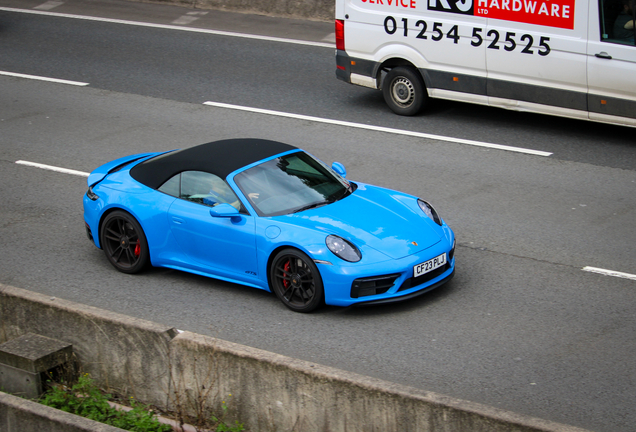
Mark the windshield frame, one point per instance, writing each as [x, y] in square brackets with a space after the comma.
[278, 196]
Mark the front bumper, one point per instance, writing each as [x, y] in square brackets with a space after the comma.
[412, 295]
[392, 279]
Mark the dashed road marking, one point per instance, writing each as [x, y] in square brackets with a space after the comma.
[85, 174]
[53, 168]
[330, 38]
[610, 273]
[41, 78]
[49, 5]
[189, 18]
[172, 27]
[381, 129]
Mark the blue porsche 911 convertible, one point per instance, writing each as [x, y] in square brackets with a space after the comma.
[271, 216]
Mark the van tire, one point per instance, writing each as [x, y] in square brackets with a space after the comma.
[404, 91]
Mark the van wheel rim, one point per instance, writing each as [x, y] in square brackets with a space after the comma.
[403, 92]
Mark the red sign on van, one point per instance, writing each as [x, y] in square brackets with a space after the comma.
[555, 13]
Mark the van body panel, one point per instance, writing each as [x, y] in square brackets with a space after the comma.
[386, 32]
[461, 97]
[516, 105]
[537, 94]
[563, 67]
[455, 82]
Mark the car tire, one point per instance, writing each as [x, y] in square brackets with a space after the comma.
[404, 91]
[296, 281]
[124, 242]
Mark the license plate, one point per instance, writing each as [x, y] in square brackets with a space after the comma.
[429, 265]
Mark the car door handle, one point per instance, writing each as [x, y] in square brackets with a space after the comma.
[603, 55]
[177, 220]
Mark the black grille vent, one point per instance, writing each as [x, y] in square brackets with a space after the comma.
[372, 285]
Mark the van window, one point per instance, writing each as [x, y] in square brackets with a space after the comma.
[617, 21]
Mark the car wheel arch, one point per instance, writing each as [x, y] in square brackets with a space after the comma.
[273, 254]
[105, 215]
[131, 253]
[302, 290]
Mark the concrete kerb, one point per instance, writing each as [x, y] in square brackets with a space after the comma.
[270, 392]
[22, 415]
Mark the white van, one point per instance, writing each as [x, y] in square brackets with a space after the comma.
[563, 57]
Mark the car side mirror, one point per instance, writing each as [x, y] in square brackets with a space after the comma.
[224, 211]
[340, 169]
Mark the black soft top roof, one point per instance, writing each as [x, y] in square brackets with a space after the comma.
[218, 157]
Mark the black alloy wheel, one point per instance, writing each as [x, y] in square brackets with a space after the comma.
[404, 91]
[296, 281]
[124, 242]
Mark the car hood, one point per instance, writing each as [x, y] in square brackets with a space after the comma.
[388, 221]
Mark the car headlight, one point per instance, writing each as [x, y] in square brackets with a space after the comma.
[429, 211]
[343, 248]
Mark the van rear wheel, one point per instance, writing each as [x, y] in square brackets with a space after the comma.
[404, 91]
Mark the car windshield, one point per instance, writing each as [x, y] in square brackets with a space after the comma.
[290, 184]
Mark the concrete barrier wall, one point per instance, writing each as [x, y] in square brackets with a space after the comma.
[126, 354]
[192, 373]
[21, 415]
[320, 10]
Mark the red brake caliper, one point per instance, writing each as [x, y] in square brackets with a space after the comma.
[286, 268]
[137, 250]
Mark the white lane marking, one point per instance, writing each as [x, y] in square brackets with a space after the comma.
[609, 273]
[53, 168]
[189, 18]
[172, 27]
[185, 20]
[381, 129]
[85, 174]
[49, 5]
[330, 38]
[40, 78]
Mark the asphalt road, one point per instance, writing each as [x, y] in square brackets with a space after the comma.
[521, 327]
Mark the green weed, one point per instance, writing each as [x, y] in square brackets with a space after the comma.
[221, 426]
[86, 399]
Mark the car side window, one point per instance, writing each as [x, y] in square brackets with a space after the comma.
[617, 21]
[202, 188]
[172, 186]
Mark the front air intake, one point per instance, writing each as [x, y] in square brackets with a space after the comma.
[369, 286]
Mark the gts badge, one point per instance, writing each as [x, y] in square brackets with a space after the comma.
[251, 273]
